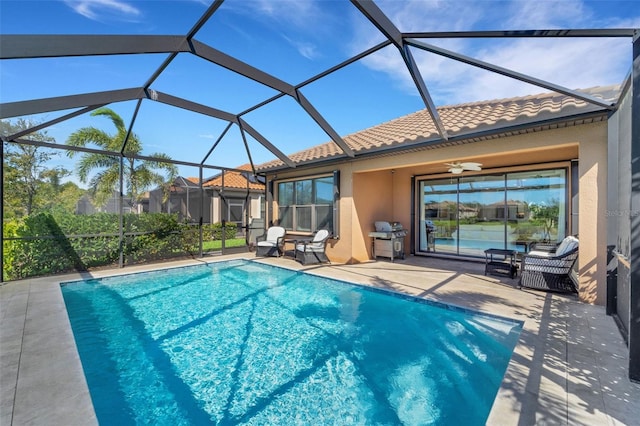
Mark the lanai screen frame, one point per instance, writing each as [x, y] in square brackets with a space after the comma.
[40, 46]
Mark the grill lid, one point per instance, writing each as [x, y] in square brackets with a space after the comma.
[384, 226]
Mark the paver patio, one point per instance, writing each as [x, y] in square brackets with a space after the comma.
[569, 367]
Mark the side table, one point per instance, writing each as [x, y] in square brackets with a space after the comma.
[504, 262]
[294, 242]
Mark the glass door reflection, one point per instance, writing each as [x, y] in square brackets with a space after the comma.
[439, 216]
[465, 215]
[481, 214]
[537, 206]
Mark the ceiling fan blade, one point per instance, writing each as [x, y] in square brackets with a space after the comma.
[458, 167]
[471, 166]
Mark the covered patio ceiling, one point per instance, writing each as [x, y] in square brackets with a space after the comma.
[262, 89]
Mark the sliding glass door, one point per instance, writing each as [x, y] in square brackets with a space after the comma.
[537, 205]
[467, 215]
[439, 216]
[482, 212]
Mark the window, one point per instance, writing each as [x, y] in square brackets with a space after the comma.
[235, 213]
[307, 205]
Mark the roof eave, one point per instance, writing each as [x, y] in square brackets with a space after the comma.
[454, 139]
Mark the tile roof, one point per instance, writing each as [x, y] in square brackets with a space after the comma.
[234, 179]
[466, 121]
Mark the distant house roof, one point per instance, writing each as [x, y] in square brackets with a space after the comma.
[236, 180]
[465, 123]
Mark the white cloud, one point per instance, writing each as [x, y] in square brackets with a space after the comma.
[289, 12]
[304, 48]
[548, 14]
[570, 62]
[97, 9]
[294, 20]
[433, 15]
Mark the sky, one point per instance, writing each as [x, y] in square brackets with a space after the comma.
[294, 41]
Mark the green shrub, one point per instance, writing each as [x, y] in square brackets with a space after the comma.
[64, 242]
[213, 231]
[9, 247]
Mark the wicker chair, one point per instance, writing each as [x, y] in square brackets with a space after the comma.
[544, 268]
[271, 243]
[307, 252]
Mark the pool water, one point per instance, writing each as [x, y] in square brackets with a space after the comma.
[240, 342]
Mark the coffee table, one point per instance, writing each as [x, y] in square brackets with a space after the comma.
[501, 261]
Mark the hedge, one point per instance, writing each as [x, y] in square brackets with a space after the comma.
[213, 231]
[48, 244]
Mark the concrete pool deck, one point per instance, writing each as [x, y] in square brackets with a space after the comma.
[570, 365]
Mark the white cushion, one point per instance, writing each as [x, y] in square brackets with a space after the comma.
[274, 233]
[317, 244]
[568, 244]
[267, 243]
[321, 235]
[310, 247]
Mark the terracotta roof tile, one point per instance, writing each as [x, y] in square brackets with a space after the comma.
[233, 179]
[459, 120]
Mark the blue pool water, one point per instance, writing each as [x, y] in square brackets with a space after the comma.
[239, 342]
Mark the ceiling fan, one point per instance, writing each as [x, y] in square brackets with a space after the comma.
[458, 167]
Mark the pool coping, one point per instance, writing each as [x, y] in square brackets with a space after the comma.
[48, 386]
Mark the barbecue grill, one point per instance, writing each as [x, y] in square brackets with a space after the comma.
[388, 240]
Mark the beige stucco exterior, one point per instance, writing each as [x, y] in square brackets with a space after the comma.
[592, 262]
[380, 189]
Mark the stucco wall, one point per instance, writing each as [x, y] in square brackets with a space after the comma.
[592, 170]
[372, 202]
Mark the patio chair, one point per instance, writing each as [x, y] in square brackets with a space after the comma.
[271, 243]
[313, 251]
[549, 268]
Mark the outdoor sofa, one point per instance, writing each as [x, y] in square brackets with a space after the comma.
[549, 266]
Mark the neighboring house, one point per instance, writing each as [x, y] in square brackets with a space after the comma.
[183, 199]
[235, 196]
[86, 206]
[515, 210]
[533, 149]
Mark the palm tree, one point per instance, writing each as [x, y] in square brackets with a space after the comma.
[138, 174]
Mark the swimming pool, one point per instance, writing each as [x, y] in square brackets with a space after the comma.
[239, 342]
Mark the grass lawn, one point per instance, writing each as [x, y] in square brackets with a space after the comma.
[217, 244]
